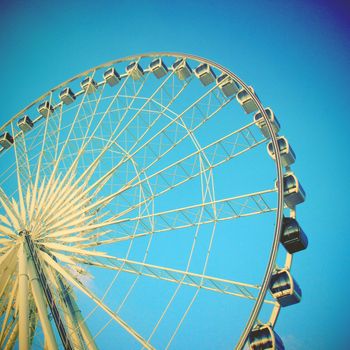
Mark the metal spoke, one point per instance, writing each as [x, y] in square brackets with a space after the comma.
[86, 291]
[215, 284]
[181, 132]
[107, 173]
[192, 167]
[180, 218]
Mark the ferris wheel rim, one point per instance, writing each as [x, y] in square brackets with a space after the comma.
[278, 162]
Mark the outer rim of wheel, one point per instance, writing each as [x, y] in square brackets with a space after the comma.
[278, 163]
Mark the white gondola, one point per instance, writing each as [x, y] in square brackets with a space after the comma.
[89, 85]
[67, 96]
[111, 76]
[246, 101]
[293, 237]
[261, 124]
[293, 192]
[227, 85]
[6, 140]
[205, 74]
[263, 337]
[182, 69]
[25, 123]
[284, 288]
[286, 151]
[45, 109]
[158, 68]
[134, 70]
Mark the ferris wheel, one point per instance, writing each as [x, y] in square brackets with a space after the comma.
[147, 203]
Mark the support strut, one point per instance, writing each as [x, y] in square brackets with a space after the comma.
[47, 292]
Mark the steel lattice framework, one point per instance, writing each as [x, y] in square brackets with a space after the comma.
[146, 189]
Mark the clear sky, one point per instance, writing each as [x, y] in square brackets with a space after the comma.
[295, 53]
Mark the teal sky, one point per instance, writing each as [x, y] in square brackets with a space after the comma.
[296, 55]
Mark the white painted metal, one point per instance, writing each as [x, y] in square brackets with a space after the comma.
[40, 304]
[12, 339]
[82, 327]
[219, 285]
[72, 327]
[83, 289]
[23, 300]
[10, 309]
[64, 196]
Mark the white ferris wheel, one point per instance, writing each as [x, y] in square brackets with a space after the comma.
[147, 203]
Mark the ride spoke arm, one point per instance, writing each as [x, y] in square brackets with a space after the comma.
[84, 229]
[70, 132]
[221, 151]
[180, 133]
[235, 142]
[71, 279]
[12, 334]
[174, 133]
[189, 167]
[204, 213]
[8, 264]
[10, 210]
[215, 284]
[88, 137]
[9, 309]
[113, 139]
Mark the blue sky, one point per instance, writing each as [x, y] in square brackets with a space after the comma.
[296, 54]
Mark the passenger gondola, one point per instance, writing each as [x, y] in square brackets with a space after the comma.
[158, 68]
[294, 194]
[293, 237]
[205, 74]
[25, 123]
[6, 140]
[286, 152]
[89, 85]
[246, 101]
[67, 96]
[182, 69]
[45, 109]
[263, 337]
[261, 124]
[134, 70]
[284, 288]
[111, 76]
[227, 85]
